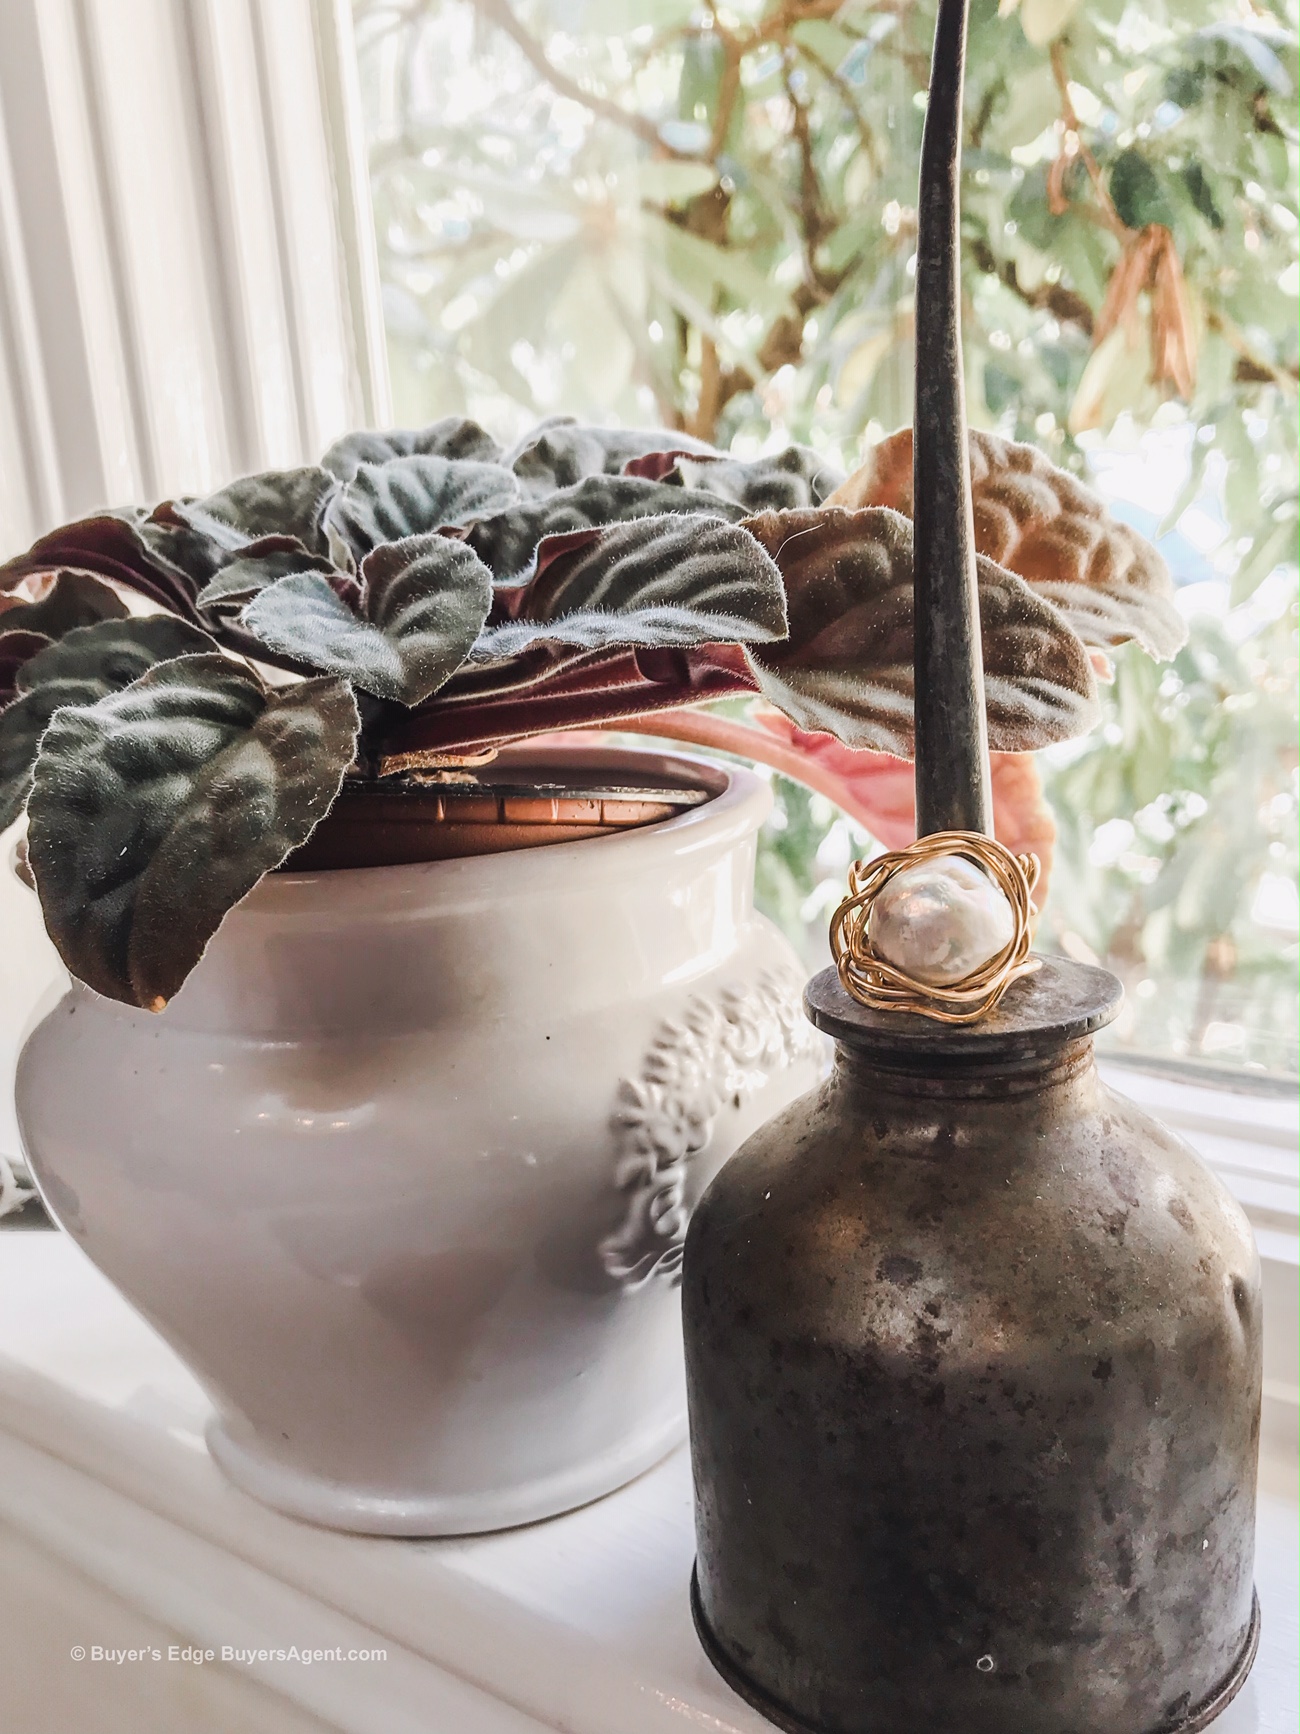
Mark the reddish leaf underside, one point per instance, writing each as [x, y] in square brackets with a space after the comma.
[552, 687]
[875, 789]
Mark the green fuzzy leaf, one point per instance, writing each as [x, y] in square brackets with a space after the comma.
[847, 666]
[17, 649]
[588, 629]
[657, 581]
[74, 599]
[245, 576]
[168, 540]
[416, 495]
[274, 503]
[81, 667]
[562, 452]
[795, 477]
[453, 437]
[507, 541]
[424, 602]
[155, 810]
[114, 652]
[162, 561]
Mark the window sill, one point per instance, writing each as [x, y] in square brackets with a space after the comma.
[116, 1529]
[1249, 1138]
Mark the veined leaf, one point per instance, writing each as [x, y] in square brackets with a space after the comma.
[274, 503]
[796, 477]
[254, 571]
[847, 666]
[658, 466]
[72, 599]
[415, 495]
[453, 437]
[161, 556]
[703, 582]
[1042, 524]
[660, 624]
[155, 810]
[79, 668]
[424, 602]
[561, 452]
[114, 652]
[16, 649]
[120, 546]
[507, 541]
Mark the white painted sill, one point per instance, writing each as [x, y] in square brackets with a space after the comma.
[117, 1530]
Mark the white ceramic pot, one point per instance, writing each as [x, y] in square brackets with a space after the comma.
[403, 1171]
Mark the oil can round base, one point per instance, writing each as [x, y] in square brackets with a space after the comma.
[1199, 1716]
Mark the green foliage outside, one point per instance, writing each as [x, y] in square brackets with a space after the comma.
[662, 210]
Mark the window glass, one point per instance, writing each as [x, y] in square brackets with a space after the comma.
[666, 211]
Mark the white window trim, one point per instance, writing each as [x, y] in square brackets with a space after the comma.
[189, 284]
[1247, 1135]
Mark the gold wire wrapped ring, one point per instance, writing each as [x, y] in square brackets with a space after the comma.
[882, 986]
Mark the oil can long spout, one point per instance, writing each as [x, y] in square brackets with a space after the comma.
[952, 755]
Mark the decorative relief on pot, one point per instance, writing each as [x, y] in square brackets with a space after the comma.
[15, 1193]
[720, 1052]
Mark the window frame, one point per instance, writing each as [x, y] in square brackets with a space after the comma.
[275, 294]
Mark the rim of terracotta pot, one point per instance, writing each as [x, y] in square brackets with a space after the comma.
[529, 796]
[739, 801]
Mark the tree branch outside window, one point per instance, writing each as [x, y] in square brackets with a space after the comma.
[703, 215]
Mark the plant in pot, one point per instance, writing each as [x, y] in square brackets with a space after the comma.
[403, 1166]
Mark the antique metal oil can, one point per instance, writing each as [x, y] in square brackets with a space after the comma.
[973, 1353]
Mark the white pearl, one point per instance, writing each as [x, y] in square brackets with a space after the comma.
[940, 920]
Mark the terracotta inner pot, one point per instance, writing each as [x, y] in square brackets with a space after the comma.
[526, 798]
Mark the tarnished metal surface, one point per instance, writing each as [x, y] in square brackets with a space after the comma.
[973, 1351]
[952, 749]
